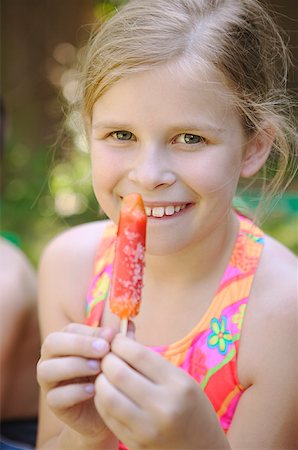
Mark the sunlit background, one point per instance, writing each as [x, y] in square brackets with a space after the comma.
[45, 177]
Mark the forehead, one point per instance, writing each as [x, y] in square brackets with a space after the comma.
[171, 92]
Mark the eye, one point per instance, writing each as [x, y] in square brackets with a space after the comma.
[188, 138]
[122, 135]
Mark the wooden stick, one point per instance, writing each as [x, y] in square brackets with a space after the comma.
[123, 326]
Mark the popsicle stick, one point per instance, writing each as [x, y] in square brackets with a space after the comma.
[123, 326]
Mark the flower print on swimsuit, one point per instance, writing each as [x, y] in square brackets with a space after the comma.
[219, 337]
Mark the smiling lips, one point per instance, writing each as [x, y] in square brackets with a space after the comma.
[161, 211]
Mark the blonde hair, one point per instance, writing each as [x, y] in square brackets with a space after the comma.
[236, 37]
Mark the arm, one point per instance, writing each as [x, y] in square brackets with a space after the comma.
[18, 309]
[67, 417]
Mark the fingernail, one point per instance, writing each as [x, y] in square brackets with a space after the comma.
[93, 364]
[89, 388]
[100, 345]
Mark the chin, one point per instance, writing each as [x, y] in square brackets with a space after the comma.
[165, 245]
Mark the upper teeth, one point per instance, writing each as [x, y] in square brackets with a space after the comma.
[160, 211]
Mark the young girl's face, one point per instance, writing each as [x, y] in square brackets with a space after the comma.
[177, 141]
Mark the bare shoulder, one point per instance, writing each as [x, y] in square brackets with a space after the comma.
[13, 259]
[65, 271]
[275, 286]
[71, 250]
[272, 307]
[277, 258]
[267, 361]
[77, 237]
[17, 275]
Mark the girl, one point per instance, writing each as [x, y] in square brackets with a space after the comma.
[181, 99]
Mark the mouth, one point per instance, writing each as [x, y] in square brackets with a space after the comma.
[161, 211]
[164, 210]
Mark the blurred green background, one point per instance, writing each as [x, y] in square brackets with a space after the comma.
[45, 178]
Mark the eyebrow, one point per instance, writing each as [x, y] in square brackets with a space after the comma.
[197, 126]
[186, 126]
[112, 125]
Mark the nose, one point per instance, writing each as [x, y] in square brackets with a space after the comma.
[152, 169]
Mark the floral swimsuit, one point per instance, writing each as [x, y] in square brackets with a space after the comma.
[209, 352]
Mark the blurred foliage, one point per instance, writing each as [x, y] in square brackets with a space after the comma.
[43, 196]
[284, 228]
[49, 189]
[279, 220]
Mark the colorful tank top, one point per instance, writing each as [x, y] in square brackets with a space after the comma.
[209, 352]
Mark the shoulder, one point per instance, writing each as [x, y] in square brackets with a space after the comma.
[276, 255]
[275, 286]
[77, 238]
[75, 246]
[13, 259]
[277, 277]
[267, 361]
[270, 324]
[17, 275]
[65, 271]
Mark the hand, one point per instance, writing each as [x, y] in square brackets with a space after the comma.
[149, 403]
[69, 363]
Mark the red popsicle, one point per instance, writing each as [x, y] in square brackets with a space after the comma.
[127, 278]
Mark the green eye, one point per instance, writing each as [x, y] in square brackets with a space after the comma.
[122, 135]
[188, 138]
[192, 138]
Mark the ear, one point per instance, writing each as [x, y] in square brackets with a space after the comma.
[257, 150]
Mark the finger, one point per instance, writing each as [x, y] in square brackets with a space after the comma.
[53, 371]
[107, 333]
[144, 360]
[127, 380]
[124, 434]
[64, 397]
[113, 405]
[125, 419]
[68, 344]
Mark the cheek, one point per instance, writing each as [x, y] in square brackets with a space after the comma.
[213, 174]
[106, 174]
[106, 168]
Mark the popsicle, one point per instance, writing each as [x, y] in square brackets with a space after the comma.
[127, 277]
